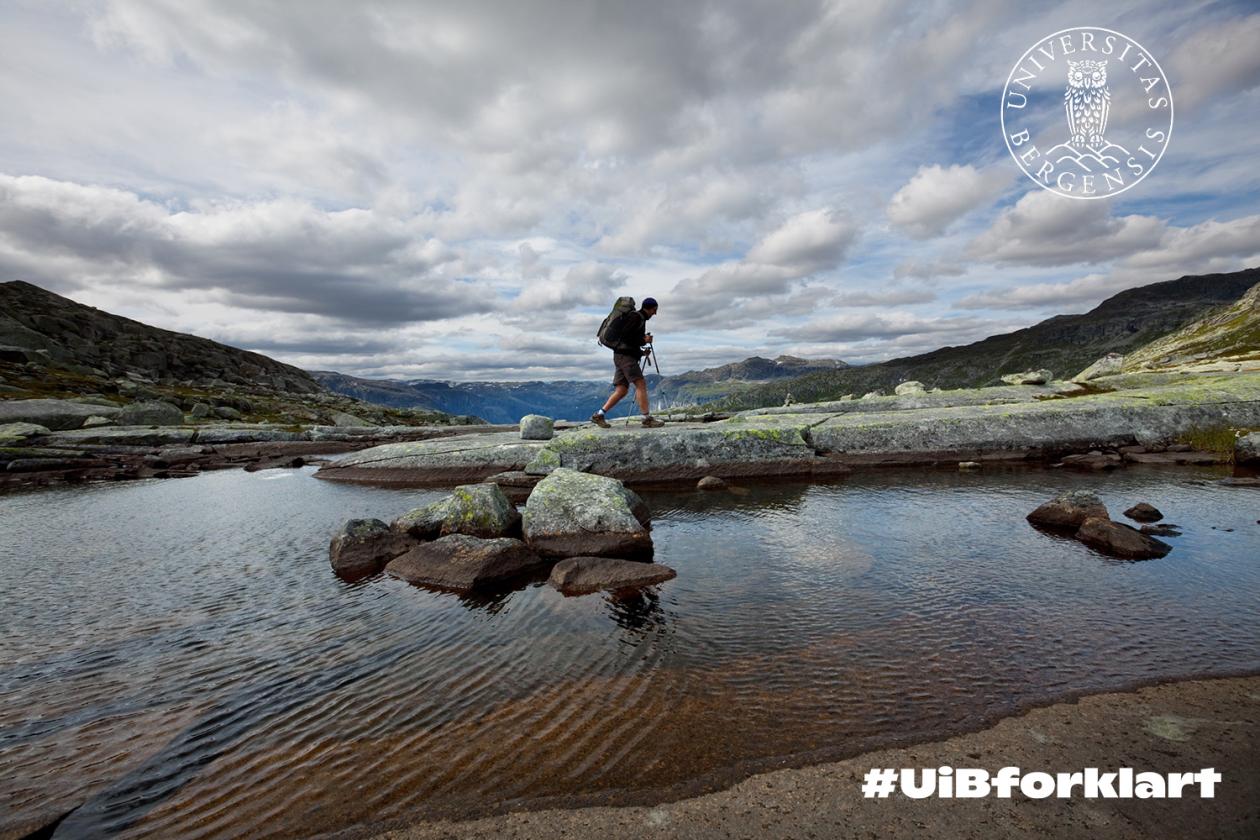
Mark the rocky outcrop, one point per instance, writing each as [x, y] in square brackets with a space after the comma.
[449, 460]
[582, 575]
[363, 546]
[1119, 540]
[475, 510]
[911, 387]
[1108, 365]
[1069, 510]
[1230, 333]
[1247, 450]
[52, 414]
[1029, 377]
[574, 514]
[537, 427]
[1144, 512]
[21, 431]
[462, 563]
[152, 413]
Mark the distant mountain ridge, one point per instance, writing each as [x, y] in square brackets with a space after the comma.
[1064, 344]
[507, 402]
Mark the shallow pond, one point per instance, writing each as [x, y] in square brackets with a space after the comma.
[178, 658]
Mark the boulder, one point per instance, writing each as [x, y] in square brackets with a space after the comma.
[1094, 460]
[1069, 510]
[21, 431]
[462, 562]
[150, 413]
[710, 482]
[1119, 540]
[910, 387]
[96, 421]
[200, 411]
[1108, 365]
[1247, 449]
[57, 415]
[1028, 377]
[869, 394]
[537, 427]
[580, 575]
[226, 412]
[363, 546]
[574, 514]
[475, 510]
[343, 418]
[1142, 512]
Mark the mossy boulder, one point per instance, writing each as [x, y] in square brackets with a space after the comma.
[363, 546]
[573, 514]
[537, 427]
[476, 510]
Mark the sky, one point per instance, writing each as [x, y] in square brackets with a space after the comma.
[460, 190]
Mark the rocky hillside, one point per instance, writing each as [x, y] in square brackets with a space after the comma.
[1230, 334]
[507, 402]
[1064, 344]
[53, 347]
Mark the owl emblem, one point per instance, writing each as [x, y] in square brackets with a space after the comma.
[1087, 100]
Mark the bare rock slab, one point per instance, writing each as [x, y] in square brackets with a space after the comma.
[1119, 540]
[574, 514]
[363, 546]
[462, 563]
[1068, 511]
[581, 575]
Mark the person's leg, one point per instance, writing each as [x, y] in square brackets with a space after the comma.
[641, 396]
[618, 392]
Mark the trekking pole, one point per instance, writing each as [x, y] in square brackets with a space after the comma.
[655, 362]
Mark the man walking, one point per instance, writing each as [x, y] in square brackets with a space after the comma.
[627, 352]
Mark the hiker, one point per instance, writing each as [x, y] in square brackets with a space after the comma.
[626, 334]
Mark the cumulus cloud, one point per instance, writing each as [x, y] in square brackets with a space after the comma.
[857, 326]
[937, 196]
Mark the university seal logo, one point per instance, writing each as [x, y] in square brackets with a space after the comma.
[1087, 112]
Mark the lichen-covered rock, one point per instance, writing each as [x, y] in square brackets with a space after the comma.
[571, 514]
[1119, 540]
[150, 413]
[543, 462]
[456, 459]
[580, 575]
[200, 411]
[57, 415]
[96, 421]
[475, 510]
[1068, 511]
[1143, 512]
[910, 387]
[537, 427]
[363, 546]
[223, 434]
[1247, 449]
[1108, 365]
[1028, 377]
[226, 412]
[21, 431]
[871, 394]
[462, 562]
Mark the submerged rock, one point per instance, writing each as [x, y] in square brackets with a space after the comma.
[475, 510]
[1069, 510]
[710, 482]
[462, 562]
[1028, 377]
[363, 546]
[910, 387]
[1120, 540]
[151, 413]
[537, 427]
[580, 575]
[1142, 512]
[571, 514]
[1161, 530]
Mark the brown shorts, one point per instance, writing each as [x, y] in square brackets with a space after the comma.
[627, 370]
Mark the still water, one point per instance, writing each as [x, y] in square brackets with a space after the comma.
[177, 658]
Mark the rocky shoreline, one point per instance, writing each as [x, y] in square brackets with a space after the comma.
[1178, 726]
[1144, 418]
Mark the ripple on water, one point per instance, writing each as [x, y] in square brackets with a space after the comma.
[178, 658]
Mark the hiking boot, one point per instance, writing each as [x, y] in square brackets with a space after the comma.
[599, 420]
[652, 423]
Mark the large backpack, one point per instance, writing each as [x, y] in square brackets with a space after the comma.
[610, 330]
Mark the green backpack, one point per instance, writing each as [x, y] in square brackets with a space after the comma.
[610, 331]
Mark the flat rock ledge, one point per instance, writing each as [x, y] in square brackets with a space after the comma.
[461, 563]
[583, 575]
[1014, 423]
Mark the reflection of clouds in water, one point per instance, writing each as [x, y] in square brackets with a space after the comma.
[274, 476]
[807, 538]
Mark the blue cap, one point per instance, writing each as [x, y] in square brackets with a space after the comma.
[649, 303]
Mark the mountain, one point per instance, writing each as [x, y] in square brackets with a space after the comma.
[507, 402]
[1229, 334]
[1064, 344]
[87, 340]
[54, 347]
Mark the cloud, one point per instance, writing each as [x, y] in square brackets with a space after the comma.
[586, 284]
[854, 327]
[807, 242]
[1214, 63]
[1044, 229]
[937, 196]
